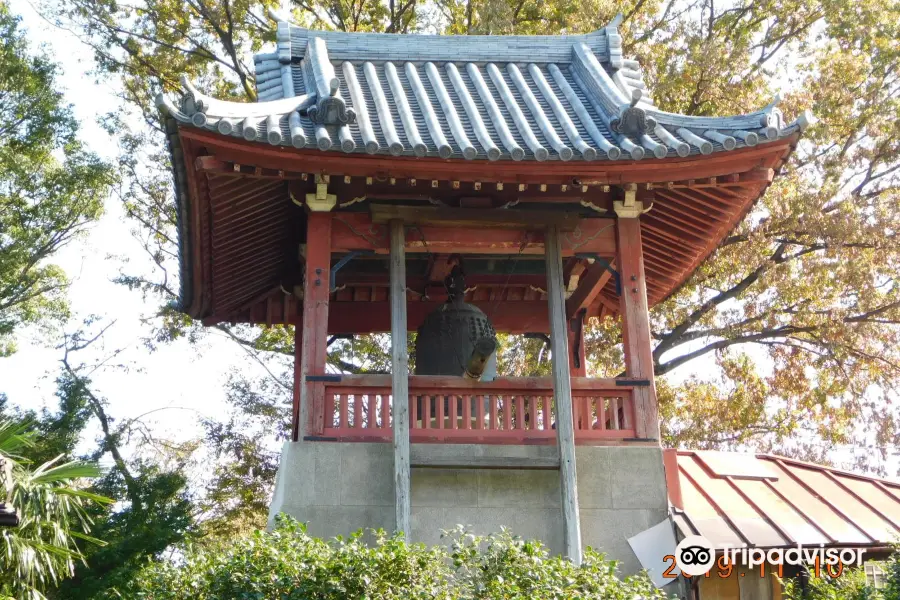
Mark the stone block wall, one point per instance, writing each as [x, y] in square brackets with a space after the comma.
[341, 487]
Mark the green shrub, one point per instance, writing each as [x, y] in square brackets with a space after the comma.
[288, 564]
[851, 585]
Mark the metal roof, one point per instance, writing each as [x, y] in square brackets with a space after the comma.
[566, 97]
[765, 501]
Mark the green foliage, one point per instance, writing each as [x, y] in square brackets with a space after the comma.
[287, 563]
[54, 513]
[851, 585]
[50, 188]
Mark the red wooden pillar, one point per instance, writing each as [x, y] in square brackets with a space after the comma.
[577, 367]
[314, 338]
[298, 379]
[636, 325]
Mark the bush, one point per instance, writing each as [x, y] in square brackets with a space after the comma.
[851, 585]
[288, 564]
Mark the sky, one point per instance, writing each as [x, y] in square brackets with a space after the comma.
[177, 383]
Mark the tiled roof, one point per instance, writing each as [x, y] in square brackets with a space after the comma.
[540, 98]
[765, 501]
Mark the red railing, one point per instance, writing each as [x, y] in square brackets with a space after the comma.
[452, 410]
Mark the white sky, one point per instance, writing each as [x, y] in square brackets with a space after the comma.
[177, 374]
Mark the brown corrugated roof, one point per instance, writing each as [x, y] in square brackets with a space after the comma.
[765, 501]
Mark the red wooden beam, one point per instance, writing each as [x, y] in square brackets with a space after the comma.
[593, 281]
[551, 172]
[356, 231]
[374, 317]
[636, 326]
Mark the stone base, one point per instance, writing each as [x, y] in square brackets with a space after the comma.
[341, 487]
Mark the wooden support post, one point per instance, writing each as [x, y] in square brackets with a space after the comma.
[400, 378]
[562, 393]
[298, 381]
[315, 321]
[636, 326]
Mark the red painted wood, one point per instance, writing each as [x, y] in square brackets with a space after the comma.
[386, 411]
[507, 413]
[576, 339]
[371, 421]
[356, 231]
[520, 412]
[295, 389]
[357, 411]
[231, 149]
[315, 313]
[514, 415]
[342, 410]
[636, 326]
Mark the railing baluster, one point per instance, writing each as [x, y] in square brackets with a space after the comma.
[628, 411]
[343, 399]
[371, 417]
[329, 409]
[357, 410]
[364, 411]
[614, 413]
[545, 409]
[385, 410]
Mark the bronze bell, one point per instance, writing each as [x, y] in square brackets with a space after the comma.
[457, 338]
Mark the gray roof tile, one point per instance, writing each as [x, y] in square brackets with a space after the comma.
[474, 97]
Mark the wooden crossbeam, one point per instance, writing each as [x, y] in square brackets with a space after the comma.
[594, 280]
[357, 231]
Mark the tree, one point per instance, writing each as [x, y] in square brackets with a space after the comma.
[153, 510]
[53, 511]
[795, 316]
[50, 187]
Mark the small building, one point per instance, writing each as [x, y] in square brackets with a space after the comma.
[741, 501]
[458, 187]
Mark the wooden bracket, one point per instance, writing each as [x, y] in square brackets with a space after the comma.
[321, 200]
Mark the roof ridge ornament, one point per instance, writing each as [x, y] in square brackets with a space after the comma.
[330, 107]
[633, 120]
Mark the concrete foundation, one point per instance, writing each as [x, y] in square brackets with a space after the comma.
[341, 487]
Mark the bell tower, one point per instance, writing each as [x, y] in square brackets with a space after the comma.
[457, 187]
